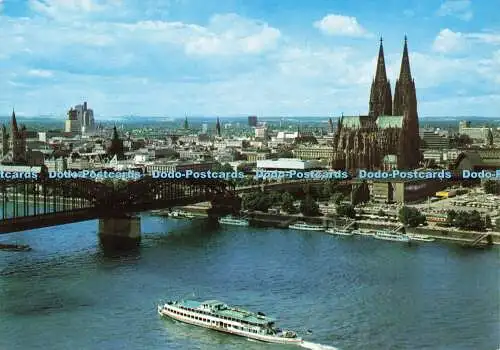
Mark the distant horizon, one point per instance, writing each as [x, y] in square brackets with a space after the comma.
[129, 117]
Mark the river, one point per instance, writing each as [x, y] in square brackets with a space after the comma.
[353, 293]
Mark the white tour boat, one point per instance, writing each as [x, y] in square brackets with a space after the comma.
[300, 225]
[180, 214]
[339, 231]
[230, 220]
[390, 236]
[420, 237]
[363, 233]
[218, 316]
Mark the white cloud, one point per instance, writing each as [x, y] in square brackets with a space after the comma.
[457, 8]
[41, 73]
[225, 35]
[340, 26]
[66, 9]
[448, 41]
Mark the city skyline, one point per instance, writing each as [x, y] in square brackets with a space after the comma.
[237, 58]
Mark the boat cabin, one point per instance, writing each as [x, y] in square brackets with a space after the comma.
[213, 305]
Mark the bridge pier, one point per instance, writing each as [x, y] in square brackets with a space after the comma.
[120, 232]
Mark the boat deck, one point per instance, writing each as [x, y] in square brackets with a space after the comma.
[230, 312]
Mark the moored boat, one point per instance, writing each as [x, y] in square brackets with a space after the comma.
[180, 214]
[420, 237]
[300, 225]
[339, 231]
[391, 236]
[363, 233]
[219, 316]
[230, 220]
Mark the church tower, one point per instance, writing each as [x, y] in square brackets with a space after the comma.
[5, 141]
[380, 94]
[17, 141]
[217, 127]
[405, 104]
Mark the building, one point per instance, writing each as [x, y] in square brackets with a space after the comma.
[86, 118]
[475, 133]
[14, 150]
[288, 164]
[390, 128]
[261, 132]
[169, 166]
[477, 160]
[435, 139]
[252, 121]
[72, 124]
[404, 191]
[116, 146]
[313, 152]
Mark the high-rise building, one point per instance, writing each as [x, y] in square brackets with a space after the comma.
[72, 124]
[252, 121]
[85, 117]
[389, 135]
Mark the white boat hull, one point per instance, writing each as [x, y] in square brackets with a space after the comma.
[234, 223]
[402, 239]
[306, 228]
[339, 233]
[421, 238]
[261, 337]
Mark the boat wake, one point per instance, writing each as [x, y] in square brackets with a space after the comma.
[316, 346]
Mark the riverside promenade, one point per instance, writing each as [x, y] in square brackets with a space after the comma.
[445, 234]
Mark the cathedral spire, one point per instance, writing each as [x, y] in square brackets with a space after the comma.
[380, 73]
[380, 95]
[14, 121]
[217, 126]
[405, 72]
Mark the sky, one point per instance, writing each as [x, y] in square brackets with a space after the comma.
[172, 58]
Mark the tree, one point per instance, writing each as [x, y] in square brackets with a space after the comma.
[361, 194]
[337, 198]
[491, 187]
[451, 216]
[225, 168]
[309, 207]
[470, 221]
[275, 198]
[346, 210]
[287, 205]
[411, 216]
[487, 221]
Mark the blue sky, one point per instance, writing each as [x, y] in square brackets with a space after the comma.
[244, 57]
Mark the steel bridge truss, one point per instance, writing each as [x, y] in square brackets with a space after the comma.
[30, 198]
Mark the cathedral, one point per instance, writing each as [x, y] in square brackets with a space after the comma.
[14, 145]
[386, 138]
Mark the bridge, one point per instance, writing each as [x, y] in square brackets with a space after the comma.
[29, 204]
[290, 184]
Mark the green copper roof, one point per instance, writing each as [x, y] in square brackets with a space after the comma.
[390, 121]
[247, 316]
[354, 122]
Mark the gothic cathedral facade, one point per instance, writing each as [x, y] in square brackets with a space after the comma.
[388, 136]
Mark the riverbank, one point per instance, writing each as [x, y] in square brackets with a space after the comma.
[260, 219]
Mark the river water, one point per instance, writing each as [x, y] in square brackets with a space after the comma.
[353, 293]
